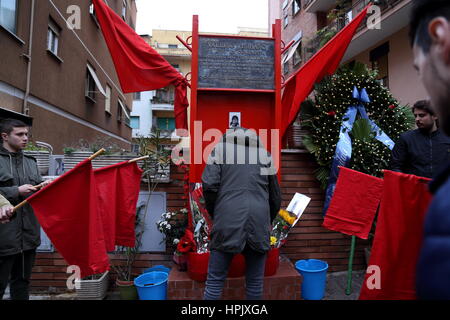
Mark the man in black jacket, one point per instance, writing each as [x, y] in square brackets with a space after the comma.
[243, 197]
[423, 151]
[19, 238]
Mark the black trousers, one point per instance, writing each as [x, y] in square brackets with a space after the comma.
[16, 269]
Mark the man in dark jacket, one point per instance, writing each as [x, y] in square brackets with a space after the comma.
[20, 237]
[423, 151]
[430, 38]
[243, 196]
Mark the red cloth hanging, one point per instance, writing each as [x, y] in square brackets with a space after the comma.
[118, 188]
[398, 237]
[354, 203]
[68, 211]
[139, 67]
[324, 62]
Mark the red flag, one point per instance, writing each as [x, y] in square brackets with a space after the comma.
[398, 238]
[138, 66]
[324, 62]
[68, 211]
[118, 188]
[354, 203]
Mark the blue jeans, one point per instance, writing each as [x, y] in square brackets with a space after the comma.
[219, 262]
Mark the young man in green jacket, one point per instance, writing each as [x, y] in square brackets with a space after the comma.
[19, 176]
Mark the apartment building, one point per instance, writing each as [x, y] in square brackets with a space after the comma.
[310, 23]
[56, 72]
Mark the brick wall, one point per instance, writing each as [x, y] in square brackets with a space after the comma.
[307, 240]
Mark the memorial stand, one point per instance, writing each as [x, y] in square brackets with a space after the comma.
[234, 75]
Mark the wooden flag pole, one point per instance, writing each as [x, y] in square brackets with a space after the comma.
[348, 291]
[138, 159]
[24, 202]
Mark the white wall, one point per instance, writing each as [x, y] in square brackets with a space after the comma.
[143, 109]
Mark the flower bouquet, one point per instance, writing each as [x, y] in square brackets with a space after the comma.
[286, 219]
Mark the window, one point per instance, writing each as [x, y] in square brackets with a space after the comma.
[298, 55]
[379, 59]
[173, 46]
[135, 148]
[137, 96]
[8, 15]
[92, 81]
[296, 5]
[166, 124]
[108, 99]
[286, 67]
[123, 113]
[90, 86]
[53, 37]
[124, 9]
[285, 21]
[134, 123]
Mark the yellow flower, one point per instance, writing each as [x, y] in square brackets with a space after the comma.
[273, 240]
[287, 217]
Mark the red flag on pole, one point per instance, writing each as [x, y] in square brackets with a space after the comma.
[398, 238]
[139, 67]
[68, 211]
[324, 62]
[354, 203]
[118, 188]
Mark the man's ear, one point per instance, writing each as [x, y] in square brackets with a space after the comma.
[4, 136]
[439, 30]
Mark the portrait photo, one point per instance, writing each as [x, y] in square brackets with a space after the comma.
[234, 120]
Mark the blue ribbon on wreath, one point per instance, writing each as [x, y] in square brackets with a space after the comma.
[343, 153]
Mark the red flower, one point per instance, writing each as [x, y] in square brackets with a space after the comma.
[285, 227]
[331, 113]
[187, 242]
[392, 107]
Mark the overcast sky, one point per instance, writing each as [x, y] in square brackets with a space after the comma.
[223, 16]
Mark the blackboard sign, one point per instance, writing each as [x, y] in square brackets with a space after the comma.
[235, 63]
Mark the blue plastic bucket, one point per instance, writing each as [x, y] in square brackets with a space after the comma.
[160, 268]
[152, 285]
[314, 274]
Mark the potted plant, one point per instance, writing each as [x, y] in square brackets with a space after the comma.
[93, 287]
[125, 275]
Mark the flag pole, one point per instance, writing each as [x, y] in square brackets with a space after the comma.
[348, 291]
[24, 202]
[138, 159]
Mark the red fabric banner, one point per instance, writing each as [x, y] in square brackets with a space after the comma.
[68, 211]
[398, 238]
[354, 203]
[118, 188]
[324, 62]
[139, 67]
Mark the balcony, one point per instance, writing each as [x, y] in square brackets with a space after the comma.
[314, 6]
[163, 99]
[394, 17]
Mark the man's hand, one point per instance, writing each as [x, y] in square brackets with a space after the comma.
[46, 183]
[5, 213]
[26, 189]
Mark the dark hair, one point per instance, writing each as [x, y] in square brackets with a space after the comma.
[232, 118]
[8, 125]
[422, 13]
[423, 105]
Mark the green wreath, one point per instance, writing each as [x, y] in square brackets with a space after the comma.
[322, 120]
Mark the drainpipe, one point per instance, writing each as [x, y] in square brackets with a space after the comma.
[25, 109]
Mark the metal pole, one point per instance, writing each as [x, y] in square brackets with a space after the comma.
[348, 291]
